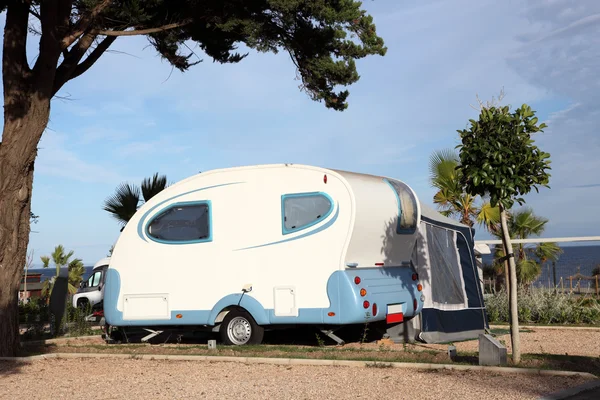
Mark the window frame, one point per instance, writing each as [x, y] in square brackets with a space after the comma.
[399, 230]
[287, 196]
[209, 238]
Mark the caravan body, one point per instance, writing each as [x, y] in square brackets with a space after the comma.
[288, 244]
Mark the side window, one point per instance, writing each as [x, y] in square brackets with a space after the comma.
[303, 210]
[407, 204]
[182, 223]
[94, 280]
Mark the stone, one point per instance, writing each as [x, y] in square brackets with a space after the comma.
[452, 352]
[491, 351]
[212, 344]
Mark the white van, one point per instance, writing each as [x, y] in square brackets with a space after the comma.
[91, 290]
[240, 249]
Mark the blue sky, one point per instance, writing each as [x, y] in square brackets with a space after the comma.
[131, 116]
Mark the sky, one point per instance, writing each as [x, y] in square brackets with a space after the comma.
[131, 115]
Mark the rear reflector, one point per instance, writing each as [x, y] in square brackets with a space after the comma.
[379, 264]
[393, 318]
[415, 304]
[374, 309]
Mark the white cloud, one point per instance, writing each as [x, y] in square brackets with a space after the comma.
[97, 133]
[57, 160]
[172, 144]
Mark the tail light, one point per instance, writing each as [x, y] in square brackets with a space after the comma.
[357, 280]
[366, 304]
[415, 277]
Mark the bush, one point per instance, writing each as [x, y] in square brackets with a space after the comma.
[544, 306]
[33, 311]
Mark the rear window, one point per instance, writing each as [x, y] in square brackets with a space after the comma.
[407, 206]
[301, 210]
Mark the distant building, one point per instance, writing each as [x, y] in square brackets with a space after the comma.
[34, 287]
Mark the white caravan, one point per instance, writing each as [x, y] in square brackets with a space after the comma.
[240, 249]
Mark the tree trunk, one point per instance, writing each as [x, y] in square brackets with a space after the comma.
[513, 306]
[24, 124]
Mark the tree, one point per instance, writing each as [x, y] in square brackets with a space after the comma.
[322, 38]
[126, 199]
[452, 199]
[498, 159]
[60, 259]
[523, 224]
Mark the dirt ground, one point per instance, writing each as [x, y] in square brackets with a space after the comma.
[159, 379]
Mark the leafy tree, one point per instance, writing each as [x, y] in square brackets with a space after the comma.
[126, 199]
[61, 260]
[322, 38]
[445, 176]
[498, 159]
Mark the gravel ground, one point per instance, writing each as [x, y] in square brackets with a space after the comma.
[156, 379]
[575, 342]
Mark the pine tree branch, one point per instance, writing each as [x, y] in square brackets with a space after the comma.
[14, 53]
[144, 31]
[84, 24]
[70, 62]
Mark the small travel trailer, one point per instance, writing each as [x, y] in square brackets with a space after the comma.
[242, 249]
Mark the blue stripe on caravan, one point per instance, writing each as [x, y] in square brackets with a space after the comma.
[389, 285]
[140, 228]
[315, 231]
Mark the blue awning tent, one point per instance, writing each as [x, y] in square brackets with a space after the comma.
[445, 260]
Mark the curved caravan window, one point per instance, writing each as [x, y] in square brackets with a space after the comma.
[182, 223]
[302, 210]
[407, 202]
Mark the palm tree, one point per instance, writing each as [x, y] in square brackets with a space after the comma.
[523, 224]
[450, 198]
[60, 260]
[123, 204]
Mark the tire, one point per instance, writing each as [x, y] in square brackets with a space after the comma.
[239, 328]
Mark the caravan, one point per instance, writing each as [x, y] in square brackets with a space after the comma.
[239, 250]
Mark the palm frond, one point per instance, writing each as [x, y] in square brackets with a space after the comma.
[528, 270]
[124, 203]
[442, 169]
[152, 186]
[489, 216]
[548, 251]
[524, 223]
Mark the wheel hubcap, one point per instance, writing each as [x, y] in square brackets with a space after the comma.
[239, 330]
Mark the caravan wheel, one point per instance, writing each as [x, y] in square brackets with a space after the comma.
[239, 328]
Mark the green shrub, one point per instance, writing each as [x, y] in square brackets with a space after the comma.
[544, 306]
